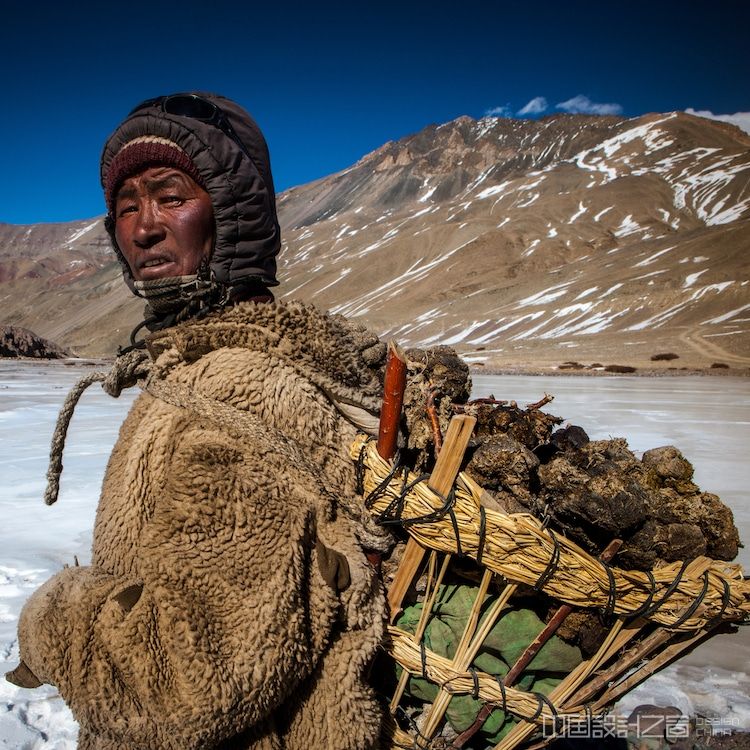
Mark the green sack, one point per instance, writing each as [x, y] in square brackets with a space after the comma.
[507, 640]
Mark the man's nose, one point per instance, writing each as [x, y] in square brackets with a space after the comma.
[148, 229]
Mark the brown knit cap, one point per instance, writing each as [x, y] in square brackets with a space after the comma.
[146, 151]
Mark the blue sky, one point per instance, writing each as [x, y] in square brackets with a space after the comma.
[329, 82]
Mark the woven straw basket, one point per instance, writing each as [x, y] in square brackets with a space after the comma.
[655, 615]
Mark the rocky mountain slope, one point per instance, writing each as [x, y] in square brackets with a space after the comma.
[519, 242]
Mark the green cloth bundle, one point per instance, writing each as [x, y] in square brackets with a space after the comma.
[507, 640]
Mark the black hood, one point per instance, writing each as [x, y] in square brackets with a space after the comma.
[238, 181]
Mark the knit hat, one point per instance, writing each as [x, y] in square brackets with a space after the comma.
[142, 152]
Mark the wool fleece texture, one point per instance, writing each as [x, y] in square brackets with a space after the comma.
[229, 603]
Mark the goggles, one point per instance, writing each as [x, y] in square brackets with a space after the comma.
[197, 108]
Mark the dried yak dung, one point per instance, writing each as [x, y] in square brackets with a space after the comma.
[591, 491]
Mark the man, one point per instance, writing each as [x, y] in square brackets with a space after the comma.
[229, 603]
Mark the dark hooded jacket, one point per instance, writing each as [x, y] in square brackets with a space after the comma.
[237, 177]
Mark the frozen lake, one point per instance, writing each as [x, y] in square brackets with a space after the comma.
[707, 418]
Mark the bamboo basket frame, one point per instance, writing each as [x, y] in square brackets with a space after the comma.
[658, 614]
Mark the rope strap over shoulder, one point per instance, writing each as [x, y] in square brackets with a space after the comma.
[127, 370]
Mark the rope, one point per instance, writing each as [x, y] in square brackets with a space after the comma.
[125, 373]
[61, 430]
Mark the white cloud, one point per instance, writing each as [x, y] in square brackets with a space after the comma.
[740, 119]
[535, 107]
[583, 105]
[498, 112]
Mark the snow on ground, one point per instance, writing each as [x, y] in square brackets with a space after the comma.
[494, 190]
[586, 292]
[660, 318]
[627, 226]
[528, 202]
[699, 183]
[461, 335]
[696, 183]
[581, 210]
[651, 258]
[653, 138]
[691, 278]
[546, 295]
[80, 232]
[37, 540]
[726, 316]
[342, 274]
[391, 288]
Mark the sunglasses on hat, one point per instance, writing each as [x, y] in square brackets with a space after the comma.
[196, 108]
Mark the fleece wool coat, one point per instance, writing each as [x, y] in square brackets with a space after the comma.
[229, 603]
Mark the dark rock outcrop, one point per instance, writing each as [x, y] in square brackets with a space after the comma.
[20, 342]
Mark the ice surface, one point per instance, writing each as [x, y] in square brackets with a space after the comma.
[38, 540]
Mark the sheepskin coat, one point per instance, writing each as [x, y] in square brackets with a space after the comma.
[229, 603]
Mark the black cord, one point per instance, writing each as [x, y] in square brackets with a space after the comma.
[554, 560]
[482, 533]
[670, 590]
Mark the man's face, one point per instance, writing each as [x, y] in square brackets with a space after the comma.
[164, 223]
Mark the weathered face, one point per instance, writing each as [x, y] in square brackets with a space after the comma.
[164, 223]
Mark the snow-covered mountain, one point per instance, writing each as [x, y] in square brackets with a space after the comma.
[517, 241]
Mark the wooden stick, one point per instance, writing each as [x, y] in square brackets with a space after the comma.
[462, 659]
[407, 568]
[624, 663]
[554, 624]
[564, 690]
[542, 402]
[669, 654]
[428, 604]
[393, 400]
[437, 437]
[441, 480]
